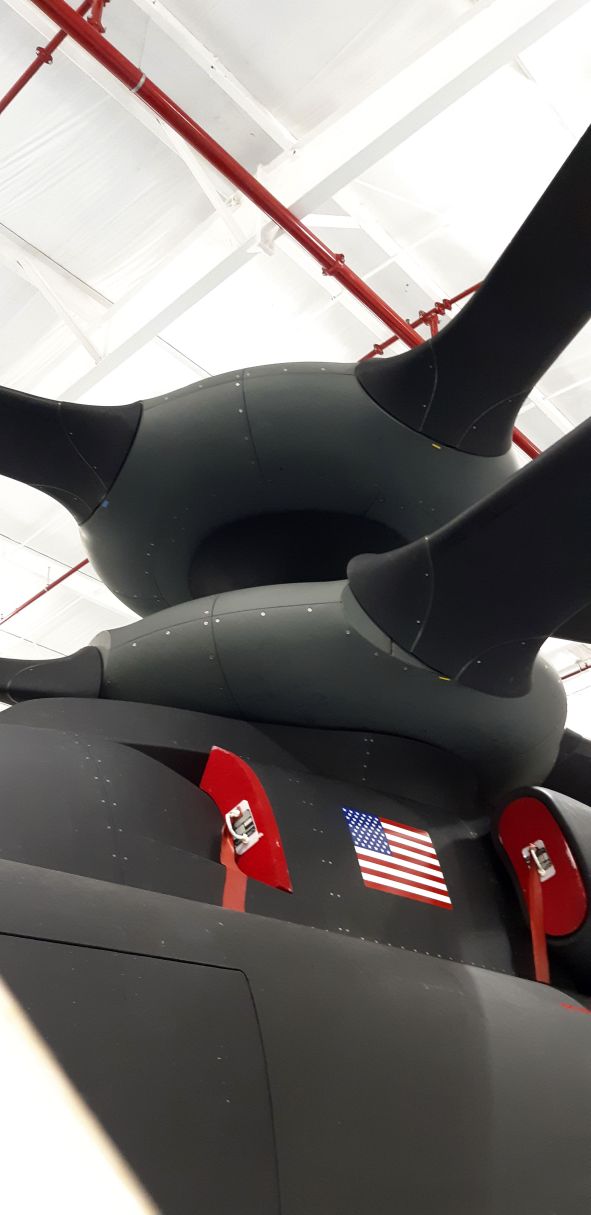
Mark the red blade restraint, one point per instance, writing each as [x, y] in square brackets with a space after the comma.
[233, 784]
[535, 903]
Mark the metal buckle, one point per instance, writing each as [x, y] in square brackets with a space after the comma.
[538, 853]
[242, 827]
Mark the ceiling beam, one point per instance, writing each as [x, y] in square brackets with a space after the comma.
[71, 297]
[191, 46]
[350, 146]
[41, 281]
[204, 177]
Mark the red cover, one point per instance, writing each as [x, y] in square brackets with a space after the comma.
[228, 779]
[522, 822]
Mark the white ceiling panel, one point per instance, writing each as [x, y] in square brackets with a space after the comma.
[309, 62]
[81, 179]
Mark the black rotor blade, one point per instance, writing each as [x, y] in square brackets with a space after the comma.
[578, 628]
[78, 674]
[465, 387]
[71, 452]
[476, 599]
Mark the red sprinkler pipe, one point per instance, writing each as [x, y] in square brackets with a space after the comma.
[44, 55]
[96, 16]
[136, 80]
[45, 591]
[579, 670]
[526, 445]
[430, 318]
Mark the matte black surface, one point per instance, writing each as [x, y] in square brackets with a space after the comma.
[578, 628]
[78, 803]
[92, 807]
[168, 1056]
[401, 766]
[297, 546]
[78, 674]
[482, 928]
[71, 452]
[501, 578]
[396, 1080]
[465, 386]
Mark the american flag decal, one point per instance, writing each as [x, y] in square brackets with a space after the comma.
[396, 859]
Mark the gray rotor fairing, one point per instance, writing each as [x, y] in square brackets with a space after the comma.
[298, 437]
[308, 655]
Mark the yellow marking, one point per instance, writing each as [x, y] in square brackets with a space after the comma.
[444, 678]
[437, 446]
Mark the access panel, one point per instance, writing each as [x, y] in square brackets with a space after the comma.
[168, 1056]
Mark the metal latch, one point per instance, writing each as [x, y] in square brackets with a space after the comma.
[242, 827]
[538, 853]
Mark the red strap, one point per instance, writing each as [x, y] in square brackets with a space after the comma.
[234, 895]
[536, 923]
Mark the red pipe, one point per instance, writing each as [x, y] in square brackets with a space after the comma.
[526, 445]
[96, 16]
[583, 666]
[44, 55]
[131, 76]
[430, 318]
[45, 591]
